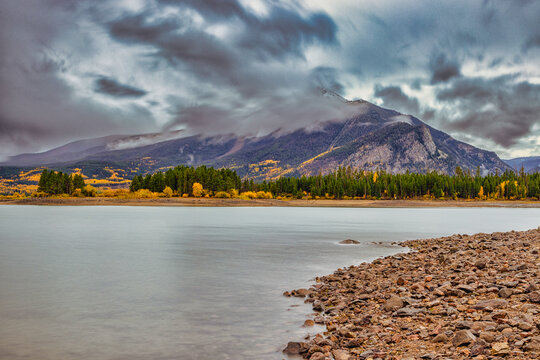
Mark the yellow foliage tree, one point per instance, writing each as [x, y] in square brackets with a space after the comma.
[222, 194]
[167, 192]
[375, 177]
[197, 189]
[481, 192]
[144, 194]
[89, 191]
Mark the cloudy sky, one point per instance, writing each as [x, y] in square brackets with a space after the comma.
[72, 69]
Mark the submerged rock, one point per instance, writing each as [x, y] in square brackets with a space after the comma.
[293, 348]
[349, 242]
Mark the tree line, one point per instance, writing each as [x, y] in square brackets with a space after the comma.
[344, 183]
[350, 183]
[181, 179]
[54, 183]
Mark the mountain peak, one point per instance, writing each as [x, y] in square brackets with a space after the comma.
[374, 138]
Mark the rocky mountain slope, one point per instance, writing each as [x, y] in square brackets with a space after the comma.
[374, 138]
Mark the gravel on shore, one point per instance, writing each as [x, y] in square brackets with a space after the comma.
[456, 297]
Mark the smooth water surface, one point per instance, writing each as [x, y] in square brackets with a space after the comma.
[188, 283]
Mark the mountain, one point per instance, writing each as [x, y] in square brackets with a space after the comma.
[530, 164]
[374, 138]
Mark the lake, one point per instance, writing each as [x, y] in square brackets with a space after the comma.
[187, 282]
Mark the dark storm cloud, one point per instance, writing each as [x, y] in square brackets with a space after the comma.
[285, 32]
[192, 50]
[247, 62]
[443, 69]
[113, 88]
[136, 28]
[393, 97]
[501, 109]
[252, 67]
[213, 9]
[39, 108]
[281, 33]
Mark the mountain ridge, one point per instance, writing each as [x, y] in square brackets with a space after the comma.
[530, 164]
[374, 138]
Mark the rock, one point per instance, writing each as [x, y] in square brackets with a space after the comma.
[463, 337]
[362, 297]
[500, 348]
[466, 288]
[301, 292]
[293, 348]
[394, 303]
[464, 324]
[450, 310]
[408, 311]
[505, 292]
[315, 349]
[534, 297]
[309, 323]
[478, 348]
[532, 346]
[441, 338]
[354, 343]
[340, 354]
[400, 281]
[318, 306]
[490, 304]
[480, 264]
[319, 356]
[487, 336]
[349, 242]
[525, 326]
[366, 354]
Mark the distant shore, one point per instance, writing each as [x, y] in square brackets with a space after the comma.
[213, 202]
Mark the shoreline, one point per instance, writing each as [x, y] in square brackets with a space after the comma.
[454, 297]
[214, 202]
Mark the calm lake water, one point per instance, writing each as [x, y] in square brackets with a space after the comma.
[188, 283]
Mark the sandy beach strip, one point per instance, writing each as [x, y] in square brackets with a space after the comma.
[103, 201]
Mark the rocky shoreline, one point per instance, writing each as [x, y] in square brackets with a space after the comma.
[455, 297]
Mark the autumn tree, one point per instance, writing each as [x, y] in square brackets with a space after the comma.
[167, 192]
[197, 189]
